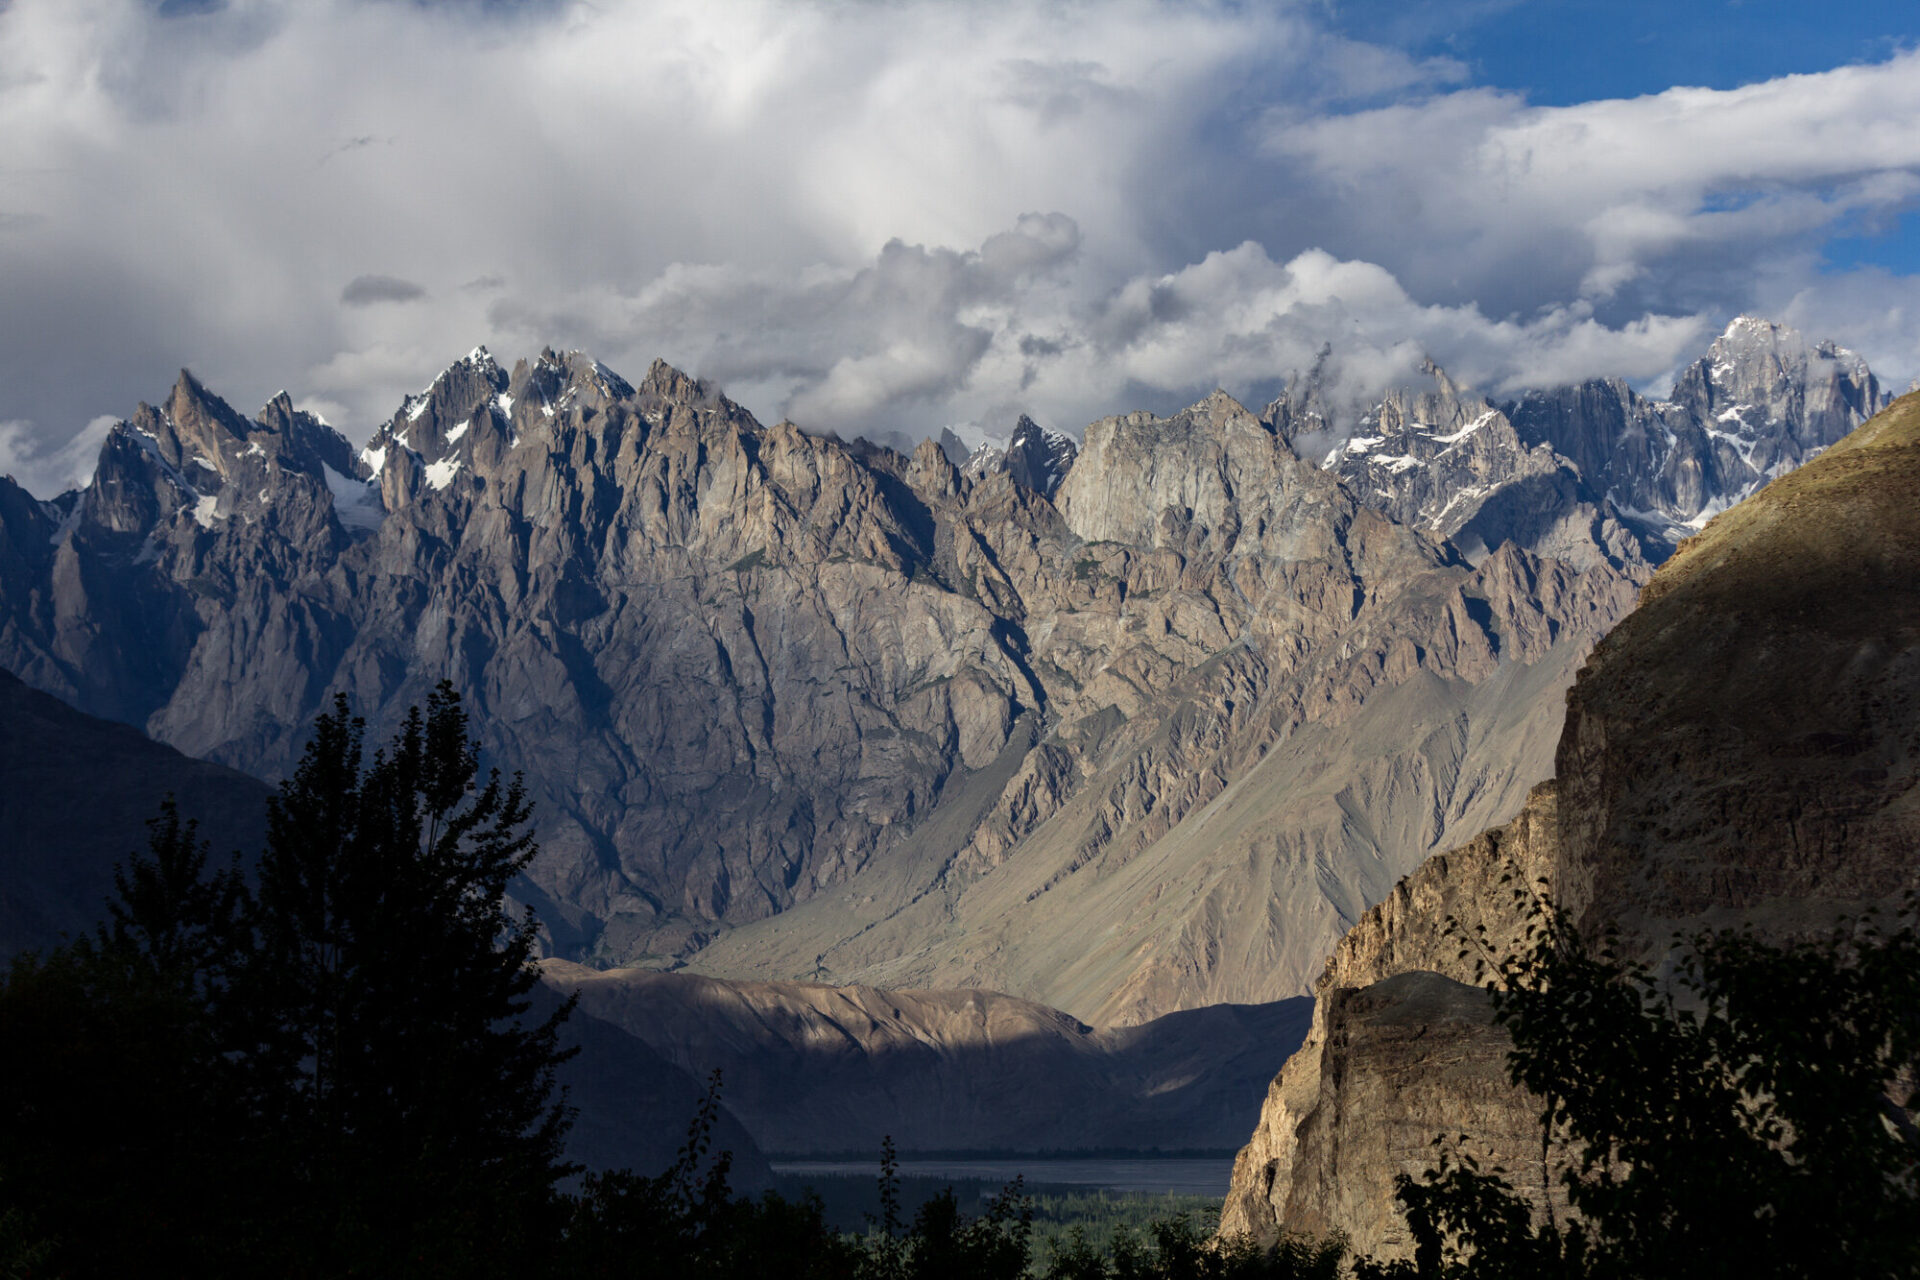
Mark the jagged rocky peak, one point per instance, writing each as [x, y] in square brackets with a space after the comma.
[196, 454]
[1212, 469]
[840, 658]
[1764, 382]
[1761, 402]
[304, 440]
[1447, 461]
[429, 426]
[666, 383]
[1033, 457]
[1587, 471]
[954, 447]
[1039, 459]
[555, 383]
[1303, 408]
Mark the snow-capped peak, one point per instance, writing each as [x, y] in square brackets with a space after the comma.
[1743, 325]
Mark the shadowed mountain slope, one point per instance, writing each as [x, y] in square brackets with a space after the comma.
[75, 796]
[815, 1069]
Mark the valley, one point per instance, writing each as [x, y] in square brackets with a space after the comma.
[1003, 799]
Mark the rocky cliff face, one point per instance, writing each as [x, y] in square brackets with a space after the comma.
[1762, 401]
[1741, 749]
[961, 716]
[1033, 457]
[1223, 775]
[1452, 463]
[1126, 727]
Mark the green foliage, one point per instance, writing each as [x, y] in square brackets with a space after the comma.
[1747, 1113]
[1183, 1247]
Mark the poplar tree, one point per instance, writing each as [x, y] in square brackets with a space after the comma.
[388, 997]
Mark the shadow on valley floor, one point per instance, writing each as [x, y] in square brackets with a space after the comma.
[811, 1069]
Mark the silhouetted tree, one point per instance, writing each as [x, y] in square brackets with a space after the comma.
[120, 1139]
[332, 1074]
[385, 1003]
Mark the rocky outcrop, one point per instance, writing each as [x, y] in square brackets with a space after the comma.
[1742, 749]
[817, 1069]
[1033, 458]
[1450, 462]
[1225, 775]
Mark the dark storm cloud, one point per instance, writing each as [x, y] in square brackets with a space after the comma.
[367, 291]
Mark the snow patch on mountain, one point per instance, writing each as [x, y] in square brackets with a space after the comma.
[356, 503]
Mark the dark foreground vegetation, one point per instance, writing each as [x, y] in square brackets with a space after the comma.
[1746, 1110]
[851, 1201]
[324, 1067]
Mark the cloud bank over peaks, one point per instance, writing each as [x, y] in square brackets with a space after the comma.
[921, 338]
[889, 218]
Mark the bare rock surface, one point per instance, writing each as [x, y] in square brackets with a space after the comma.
[1124, 727]
[1594, 470]
[1742, 749]
[1069, 724]
[1762, 401]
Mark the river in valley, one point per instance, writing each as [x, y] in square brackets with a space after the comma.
[1152, 1175]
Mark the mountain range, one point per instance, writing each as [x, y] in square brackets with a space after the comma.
[1126, 726]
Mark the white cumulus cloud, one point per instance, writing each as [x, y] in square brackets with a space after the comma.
[884, 217]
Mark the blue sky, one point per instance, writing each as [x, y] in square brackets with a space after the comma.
[889, 218]
[1561, 52]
